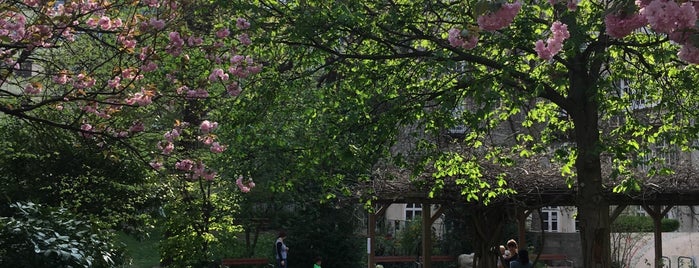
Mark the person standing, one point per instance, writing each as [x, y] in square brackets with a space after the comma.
[504, 254]
[318, 261]
[281, 250]
[513, 249]
[522, 260]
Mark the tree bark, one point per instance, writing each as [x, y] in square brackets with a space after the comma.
[593, 207]
[488, 229]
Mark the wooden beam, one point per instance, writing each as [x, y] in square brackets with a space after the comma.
[426, 235]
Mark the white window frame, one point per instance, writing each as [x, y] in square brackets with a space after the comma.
[551, 220]
[413, 211]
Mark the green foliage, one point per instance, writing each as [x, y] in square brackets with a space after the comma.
[58, 168]
[39, 236]
[199, 230]
[633, 224]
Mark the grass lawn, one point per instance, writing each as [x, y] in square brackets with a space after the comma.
[143, 253]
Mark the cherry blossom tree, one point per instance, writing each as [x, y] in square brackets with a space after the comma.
[143, 75]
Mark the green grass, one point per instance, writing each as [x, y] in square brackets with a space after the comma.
[143, 253]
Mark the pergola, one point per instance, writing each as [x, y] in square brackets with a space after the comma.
[545, 187]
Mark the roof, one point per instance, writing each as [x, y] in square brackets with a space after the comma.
[537, 185]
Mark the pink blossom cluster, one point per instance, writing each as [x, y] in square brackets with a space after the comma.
[244, 186]
[13, 26]
[678, 21]
[463, 39]
[666, 16]
[95, 109]
[207, 126]
[33, 88]
[194, 170]
[559, 33]
[105, 23]
[620, 25]
[500, 18]
[142, 98]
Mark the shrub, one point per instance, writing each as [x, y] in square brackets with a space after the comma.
[633, 224]
[36, 236]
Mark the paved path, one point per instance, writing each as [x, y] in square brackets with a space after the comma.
[674, 245]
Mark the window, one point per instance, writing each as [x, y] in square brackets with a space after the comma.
[662, 154]
[640, 211]
[638, 101]
[459, 128]
[549, 217]
[413, 211]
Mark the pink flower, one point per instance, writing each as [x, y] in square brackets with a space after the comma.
[233, 89]
[217, 148]
[244, 187]
[456, 38]
[242, 23]
[689, 53]
[152, 3]
[199, 93]
[223, 33]
[105, 23]
[31, 3]
[142, 98]
[136, 127]
[185, 165]
[492, 21]
[194, 41]
[149, 66]
[237, 59]
[114, 82]
[61, 78]
[116, 23]
[156, 23]
[218, 73]
[86, 128]
[168, 148]
[156, 164]
[176, 43]
[244, 39]
[92, 22]
[172, 135]
[554, 44]
[127, 42]
[667, 16]
[209, 176]
[83, 81]
[207, 126]
[32, 89]
[619, 26]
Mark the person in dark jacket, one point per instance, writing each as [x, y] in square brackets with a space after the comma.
[281, 250]
[522, 260]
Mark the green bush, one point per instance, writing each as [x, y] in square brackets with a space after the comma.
[635, 224]
[36, 236]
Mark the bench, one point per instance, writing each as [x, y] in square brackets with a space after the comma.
[247, 261]
[555, 260]
[384, 259]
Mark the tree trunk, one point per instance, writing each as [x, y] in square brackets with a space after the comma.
[488, 231]
[593, 207]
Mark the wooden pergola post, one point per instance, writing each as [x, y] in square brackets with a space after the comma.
[657, 213]
[426, 235]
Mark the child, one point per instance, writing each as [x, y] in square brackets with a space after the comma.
[318, 261]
